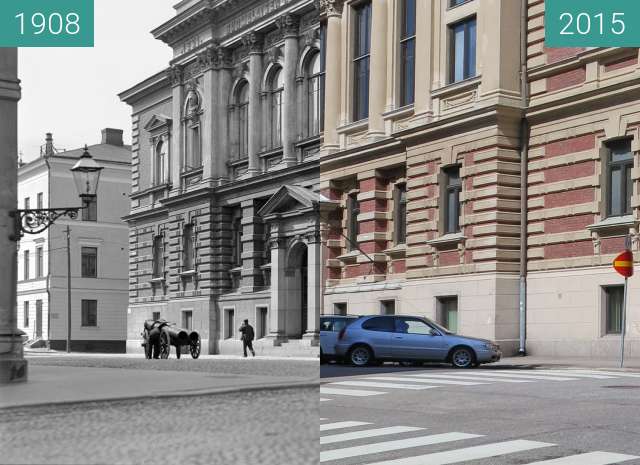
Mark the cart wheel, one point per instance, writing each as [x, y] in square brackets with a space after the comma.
[194, 348]
[165, 344]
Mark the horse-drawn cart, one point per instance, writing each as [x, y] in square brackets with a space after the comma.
[159, 335]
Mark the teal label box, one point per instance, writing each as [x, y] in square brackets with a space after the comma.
[46, 23]
[592, 23]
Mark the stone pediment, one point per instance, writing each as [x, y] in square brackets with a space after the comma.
[157, 122]
[290, 199]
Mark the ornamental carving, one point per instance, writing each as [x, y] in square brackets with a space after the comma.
[175, 74]
[253, 42]
[223, 58]
[273, 54]
[288, 24]
[331, 7]
[206, 59]
[311, 37]
[192, 100]
[239, 70]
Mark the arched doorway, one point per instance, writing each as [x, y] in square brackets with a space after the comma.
[297, 291]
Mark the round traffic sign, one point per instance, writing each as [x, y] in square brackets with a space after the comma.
[623, 264]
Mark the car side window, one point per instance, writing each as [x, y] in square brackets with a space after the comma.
[412, 326]
[338, 325]
[380, 323]
[326, 325]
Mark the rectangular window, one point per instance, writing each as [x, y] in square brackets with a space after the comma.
[26, 314]
[353, 227]
[187, 320]
[155, 316]
[387, 307]
[38, 318]
[453, 186]
[620, 187]
[89, 313]
[89, 262]
[237, 239]
[229, 323]
[90, 209]
[400, 214]
[614, 300]
[263, 322]
[193, 149]
[158, 256]
[361, 56]
[462, 50]
[408, 52]
[39, 262]
[187, 248]
[26, 265]
[27, 203]
[323, 70]
[40, 200]
[453, 3]
[340, 308]
[448, 313]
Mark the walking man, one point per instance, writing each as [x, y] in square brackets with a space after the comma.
[247, 337]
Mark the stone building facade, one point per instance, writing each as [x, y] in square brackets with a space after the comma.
[225, 177]
[423, 161]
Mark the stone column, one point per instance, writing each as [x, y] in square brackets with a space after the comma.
[378, 68]
[333, 74]
[424, 58]
[209, 135]
[176, 152]
[278, 309]
[253, 41]
[13, 366]
[289, 24]
[223, 147]
[252, 232]
[314, 297]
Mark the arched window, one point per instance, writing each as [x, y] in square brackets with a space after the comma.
[242, 104]
[314, 96]
[160, 163]
[193, 145]
[277, 88]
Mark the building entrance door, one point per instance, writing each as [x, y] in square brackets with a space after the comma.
[304, 289]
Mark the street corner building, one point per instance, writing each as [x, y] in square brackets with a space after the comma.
[472, 175]
[225, 178]
[98, 251]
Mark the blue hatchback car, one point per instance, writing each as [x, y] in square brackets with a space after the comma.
[410, 338]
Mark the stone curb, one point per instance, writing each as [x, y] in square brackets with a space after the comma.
[199, 392]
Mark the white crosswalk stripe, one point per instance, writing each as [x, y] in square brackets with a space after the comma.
[520, 375]
[324, 400]
[591, 458]
[342, 425]
[368, 433]
[572, 374]
[349, 392]
[387, 446]
[462, 454]
[472, 377]
[569, 371]
[427, 379]
[468, 453]
[382, 385]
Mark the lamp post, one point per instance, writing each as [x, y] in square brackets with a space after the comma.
[86, 175]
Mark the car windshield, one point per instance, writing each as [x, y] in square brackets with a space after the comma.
[437, 326]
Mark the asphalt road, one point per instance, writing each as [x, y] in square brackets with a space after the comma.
[266, 427]
[461, 416]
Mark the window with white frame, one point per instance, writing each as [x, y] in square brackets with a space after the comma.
[614, 302]
[193, 142]
[462, 50]
[361, 59]
[229, 326]
[408, 52]
[160, 160]
[89, 313]
[158, 256]
[188, 249]
[400, 214]
[619, 185]
[242, 120]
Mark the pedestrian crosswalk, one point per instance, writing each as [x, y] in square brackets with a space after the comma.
[366, 443]
[379, 384]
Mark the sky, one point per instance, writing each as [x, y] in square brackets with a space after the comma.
[73, 92]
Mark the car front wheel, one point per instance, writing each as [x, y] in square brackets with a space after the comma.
[361, 356]
[462, 358]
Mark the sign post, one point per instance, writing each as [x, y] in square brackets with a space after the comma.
[623, 264]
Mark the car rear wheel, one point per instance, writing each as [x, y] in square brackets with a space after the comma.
[361, 356]
[462, 357]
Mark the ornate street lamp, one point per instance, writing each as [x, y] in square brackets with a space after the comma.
[86, 175]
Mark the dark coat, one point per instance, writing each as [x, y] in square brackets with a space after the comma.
[247, 333]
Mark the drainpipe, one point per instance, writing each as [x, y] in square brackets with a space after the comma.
[48, 335]
[524, 157]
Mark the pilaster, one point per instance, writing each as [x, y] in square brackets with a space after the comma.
[176, 154]
[378, 69]
[333, 73]
[254, 42]
[290, 25]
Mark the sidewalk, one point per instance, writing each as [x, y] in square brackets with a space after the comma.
[62, 384]
[572, 362]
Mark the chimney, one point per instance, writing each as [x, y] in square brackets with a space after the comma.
[112, 136]
[48, 146]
